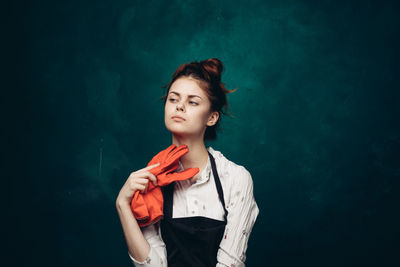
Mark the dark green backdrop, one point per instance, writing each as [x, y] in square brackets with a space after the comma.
[316, 122]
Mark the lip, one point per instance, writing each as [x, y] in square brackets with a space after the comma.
[177, 118]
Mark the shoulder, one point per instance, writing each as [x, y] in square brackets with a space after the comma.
[231, 172]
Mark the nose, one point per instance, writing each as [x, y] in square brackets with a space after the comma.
[180, 106]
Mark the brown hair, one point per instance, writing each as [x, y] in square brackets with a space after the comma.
[208, 74]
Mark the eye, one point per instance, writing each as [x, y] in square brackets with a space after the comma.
[172, 99]
[191, 102]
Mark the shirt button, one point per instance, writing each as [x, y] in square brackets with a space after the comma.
[192, 211]
[195, 202]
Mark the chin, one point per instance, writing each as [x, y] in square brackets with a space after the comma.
[174, 128]
[181, 131]
[177, 131]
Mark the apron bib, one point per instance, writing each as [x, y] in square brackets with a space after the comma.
[192, 241]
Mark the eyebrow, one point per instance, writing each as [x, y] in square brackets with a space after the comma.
[189, 95]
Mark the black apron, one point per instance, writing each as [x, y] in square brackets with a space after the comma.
[192, 241]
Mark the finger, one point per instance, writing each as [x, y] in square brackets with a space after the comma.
[180, 150]
[172, 168]
[135, 183]
[147, 175]
[141, 181]
[141, 188]
[152, 178]
[162, 154]
[179, 176]
[146, 186]
[178, 153]
[170, 148]
[148, 167]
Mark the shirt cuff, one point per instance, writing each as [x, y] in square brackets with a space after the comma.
[143, 263]
[152, 260]
[224, 259]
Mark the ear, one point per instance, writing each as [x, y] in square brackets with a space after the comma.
[213, 118]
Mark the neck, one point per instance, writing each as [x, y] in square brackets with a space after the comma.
[197, 156]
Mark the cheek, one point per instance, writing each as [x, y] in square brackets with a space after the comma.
[167, 108]
[165, 111]
[201, 116]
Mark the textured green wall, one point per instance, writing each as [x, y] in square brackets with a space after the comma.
[316, 122]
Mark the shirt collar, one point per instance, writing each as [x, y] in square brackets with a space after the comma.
[205, 174]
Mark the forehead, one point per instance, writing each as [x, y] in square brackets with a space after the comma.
[187, 86]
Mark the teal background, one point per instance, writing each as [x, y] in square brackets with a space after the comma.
[316, 122]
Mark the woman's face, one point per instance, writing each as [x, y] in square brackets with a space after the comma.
[187, 100]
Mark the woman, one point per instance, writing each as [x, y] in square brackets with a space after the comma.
[209, 217]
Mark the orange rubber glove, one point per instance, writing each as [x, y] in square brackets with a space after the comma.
[148, 208]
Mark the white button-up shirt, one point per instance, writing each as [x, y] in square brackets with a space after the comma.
[201, 199]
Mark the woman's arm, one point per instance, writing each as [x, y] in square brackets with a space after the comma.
[142, 246]
[242, 214]
[138, 246]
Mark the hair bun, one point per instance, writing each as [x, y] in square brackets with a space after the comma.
[214, 67]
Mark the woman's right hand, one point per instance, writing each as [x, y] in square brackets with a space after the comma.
[137, 180]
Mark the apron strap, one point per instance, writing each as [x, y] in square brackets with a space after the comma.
[168, 195]
[218, 184]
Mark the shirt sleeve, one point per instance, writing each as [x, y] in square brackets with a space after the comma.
[158, 254]
[242, 214]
